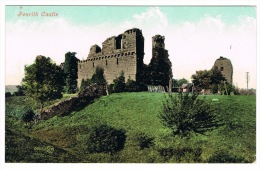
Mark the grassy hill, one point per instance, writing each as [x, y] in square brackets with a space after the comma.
[137, 114]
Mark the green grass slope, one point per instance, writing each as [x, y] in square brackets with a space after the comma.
[137, 113]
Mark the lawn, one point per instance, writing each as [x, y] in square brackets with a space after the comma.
[137, 115]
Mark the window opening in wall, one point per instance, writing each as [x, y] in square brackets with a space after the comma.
[93, 64]
[221, 68]
[106, 62]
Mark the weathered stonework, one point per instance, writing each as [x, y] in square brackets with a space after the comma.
[122, 53]
[226, 68]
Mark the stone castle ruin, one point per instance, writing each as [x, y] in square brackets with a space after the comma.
[122, 53]
[226, 68]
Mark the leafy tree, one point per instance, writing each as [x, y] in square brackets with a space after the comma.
[185, 114]
[98, 76]
[84, 84]
[131, 86]
[201, 79]
[43, 80]
[71, 72]
[28, 116]
[182, 81]
[209, 79]
[8, 94]
[119, 83]
[160, 69]
[20, 90]
[105, 139]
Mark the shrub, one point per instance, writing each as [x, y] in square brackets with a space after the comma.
[8, 94]
[28, 117]
[224, 157]
[144, 141]
[181, 154]
[131, 86]
[184, 114]
[119, 84]
[105, 139]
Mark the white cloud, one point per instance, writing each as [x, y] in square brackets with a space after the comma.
[192, 45]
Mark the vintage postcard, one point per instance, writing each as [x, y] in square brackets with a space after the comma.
[137, 83]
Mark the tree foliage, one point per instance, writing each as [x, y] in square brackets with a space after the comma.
[185, 114]
[98, 76]
[209, 79]
[119, 83]
[71, 72]
[105, 139]
[180, 82]
[159, 70]
[28, 116]
[43, 80]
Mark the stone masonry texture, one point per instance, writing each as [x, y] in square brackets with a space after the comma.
[123, 53]
[226, 68]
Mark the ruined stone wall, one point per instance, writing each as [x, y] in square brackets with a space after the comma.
[226, 68]
[122, 53]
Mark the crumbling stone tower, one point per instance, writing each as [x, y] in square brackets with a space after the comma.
[124, 52]
[226, 68]
[160, 65]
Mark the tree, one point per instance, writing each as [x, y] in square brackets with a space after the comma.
[201, 79]
[131, 86]
[185, 114]
[182, 81]
[98, 76]
[209, 79]
[71, 72]
[43, 80]
[20, 90]
[28, 116]
[119, 83]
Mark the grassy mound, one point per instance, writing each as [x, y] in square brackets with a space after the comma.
[137, 114]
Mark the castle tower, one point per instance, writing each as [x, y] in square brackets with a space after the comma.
[122, 53]
[226, 68]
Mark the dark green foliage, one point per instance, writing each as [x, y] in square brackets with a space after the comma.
[224, 157]
[98, 76]
[8, 94]
[71, 72]
[159, 70]
[180, 82]
[179, 153]
[20, 148]
[84, 84]
[28, 116]
[186, 113]
[209, 79]
[119, 84]
[43, 80]
[131, 86]
[106, 139]
[20, 91]
[144, 141]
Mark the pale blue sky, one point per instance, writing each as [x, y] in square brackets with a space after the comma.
[116, 14]
[195, 36]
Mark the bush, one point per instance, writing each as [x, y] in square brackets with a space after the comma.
[181, 154]
[131, 86]
[8, 94]
[105, 139]
[144, 141]
[28, 116]
[119, 84]
[223, 157]
[184, 114]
